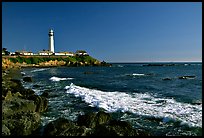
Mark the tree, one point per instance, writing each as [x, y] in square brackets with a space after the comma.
[5, 51]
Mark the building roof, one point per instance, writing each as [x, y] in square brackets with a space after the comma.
[81, 51]
[46, 51]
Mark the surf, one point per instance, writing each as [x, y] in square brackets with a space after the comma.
[139, 103]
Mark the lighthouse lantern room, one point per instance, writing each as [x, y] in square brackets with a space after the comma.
[51, 40]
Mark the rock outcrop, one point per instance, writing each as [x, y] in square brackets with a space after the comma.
[92, 124]
[20, 108]
[28, 79]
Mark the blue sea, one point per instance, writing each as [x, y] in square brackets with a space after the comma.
[133, 92]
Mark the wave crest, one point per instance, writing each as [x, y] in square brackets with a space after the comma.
[59, 79]
[42, 69]
[141, 104]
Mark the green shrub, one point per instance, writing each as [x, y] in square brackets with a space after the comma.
[14, 60]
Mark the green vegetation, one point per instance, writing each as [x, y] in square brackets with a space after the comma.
[37, 60]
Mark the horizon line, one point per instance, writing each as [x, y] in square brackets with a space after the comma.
[155, 62]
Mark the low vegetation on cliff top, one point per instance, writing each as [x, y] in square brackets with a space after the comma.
[37, 60]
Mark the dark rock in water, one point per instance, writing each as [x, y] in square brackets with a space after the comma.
[40, 102]
[92, 124]
[102, 118]
[166, 79]
[75, 131]
[118, 128]
[45, 94]
[28, 79]
[91, 120]
[22, 73]
[186, 77]
[196, 102]
[16, 85]
[27, 92]
[57, 126]
[87, 120]
[36, 86]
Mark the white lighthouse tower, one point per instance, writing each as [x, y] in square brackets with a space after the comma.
[51, 41]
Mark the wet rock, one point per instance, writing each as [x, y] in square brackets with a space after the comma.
[58, 126]
[40, 102]
[91, 120]
[166, 79]
[18, 116]
[28, 79]
[75, 131]
[27, 92]
[92, 124]
[21, 124]
[36, 86]
[15, 86]
[87, 120]
[118, 128]
[15, 105]
[186, 77]
[45, 94]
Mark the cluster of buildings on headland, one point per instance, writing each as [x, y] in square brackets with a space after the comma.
[47, 52]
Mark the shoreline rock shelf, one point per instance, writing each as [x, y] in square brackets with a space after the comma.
[92, 124]
[21, 108]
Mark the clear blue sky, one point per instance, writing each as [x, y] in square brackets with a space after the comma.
[110, 31]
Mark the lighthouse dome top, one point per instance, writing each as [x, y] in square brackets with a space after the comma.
[51, 31]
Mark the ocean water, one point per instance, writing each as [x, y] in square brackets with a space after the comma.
[131, 92]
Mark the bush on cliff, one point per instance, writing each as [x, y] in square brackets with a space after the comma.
[35, 60]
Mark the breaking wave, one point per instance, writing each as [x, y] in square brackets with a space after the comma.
[42, 69]
[141, 104]
[59, 79]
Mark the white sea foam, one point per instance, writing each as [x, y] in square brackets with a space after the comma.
[141, 104]
[137, 74]
[59, 79]
[23, 73]
[42, 69]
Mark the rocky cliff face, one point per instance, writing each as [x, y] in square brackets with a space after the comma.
[21, 108]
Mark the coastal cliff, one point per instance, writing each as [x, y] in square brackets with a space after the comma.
[52, 61]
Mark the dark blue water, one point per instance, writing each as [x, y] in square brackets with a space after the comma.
[132, 92]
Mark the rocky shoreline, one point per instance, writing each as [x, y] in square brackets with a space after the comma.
[22, 107]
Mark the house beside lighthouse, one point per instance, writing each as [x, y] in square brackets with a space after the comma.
[51, 41]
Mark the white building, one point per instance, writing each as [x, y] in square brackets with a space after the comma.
[51, 41]
[64, 54]
[81, 52]
[45, 53]
[25, 53]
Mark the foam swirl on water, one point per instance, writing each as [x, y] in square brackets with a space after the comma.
[59, 79]
[42, 69]
[141, 104]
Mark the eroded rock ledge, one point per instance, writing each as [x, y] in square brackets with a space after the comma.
[21, 108]
[92, 124]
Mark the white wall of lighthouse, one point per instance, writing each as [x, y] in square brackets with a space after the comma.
[51, 40]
